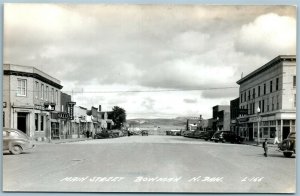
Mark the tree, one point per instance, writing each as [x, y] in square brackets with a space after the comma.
[118, 116]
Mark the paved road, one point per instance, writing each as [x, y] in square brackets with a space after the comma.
[149, 164]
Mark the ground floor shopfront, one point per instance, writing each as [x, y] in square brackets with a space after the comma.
[266, 126]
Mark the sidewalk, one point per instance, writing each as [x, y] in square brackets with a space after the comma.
[61, 141]
[254, 143]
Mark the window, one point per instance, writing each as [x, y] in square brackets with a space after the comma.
[277, 102]
[258, 91]
[271, 86]
[295, 100]
[244, 96]
[42, 91]
[263, 106]
[248, 95]
[253, 93]
[47, 93]
[268, 106]
[264, 88]
[273, 103]
[42, 123]
[3, 120]
[277, 84]
[259, 105]
[36, 90]
[22, 87]
[294, 81]
[52, 95]
[36, 120]
[56, 95]
[241, 97]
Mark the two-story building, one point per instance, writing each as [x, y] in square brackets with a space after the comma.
[30, 100]
[269, 95]
[221, 117]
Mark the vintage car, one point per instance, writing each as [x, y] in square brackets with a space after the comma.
[15, 141]
[288, 146]
[226, 136]
[144, 132]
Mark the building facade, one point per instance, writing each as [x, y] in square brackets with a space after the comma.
[269, 96]
[221, 117]
[234, 114]
[30, 100]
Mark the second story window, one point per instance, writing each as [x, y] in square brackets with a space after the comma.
[294, 81]
[265, 88]
[271, 86]
[277, 103]
[248, 95]
[52, 95]
[245, 96]
[258, 92]
[47, 93]
[42, 91]
[56, 96]
[253, 93]
[241, 97]
[273, 105]
[277, 84]
[22, 87]
[36, 90]
[295, 98]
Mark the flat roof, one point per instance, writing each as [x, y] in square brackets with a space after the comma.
[271, 63]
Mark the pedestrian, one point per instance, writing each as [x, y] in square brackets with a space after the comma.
[276, 140]
[265, 146]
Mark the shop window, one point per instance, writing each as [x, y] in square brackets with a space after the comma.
[22, 87]
[286, 122]
[279, 122]
[42, 123]
[266, 132]
[36, 120]
[272, 132]
[293, 122]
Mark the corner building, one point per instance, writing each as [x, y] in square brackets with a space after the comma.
[30, 99]
[272, 89]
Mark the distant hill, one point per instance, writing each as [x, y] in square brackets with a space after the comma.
[156, 122]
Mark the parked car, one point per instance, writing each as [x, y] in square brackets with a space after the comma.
[288, 146]
[16, 141]
[226, 136]
[198, 134]
[144, 132]
[208, 135]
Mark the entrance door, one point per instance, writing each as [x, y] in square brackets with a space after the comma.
[250, 133]
[285, 132]
[22, 121]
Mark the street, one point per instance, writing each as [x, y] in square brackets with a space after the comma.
[149, 164]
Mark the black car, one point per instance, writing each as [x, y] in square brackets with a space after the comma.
[226, 136]
[207, 135]
[288, 146]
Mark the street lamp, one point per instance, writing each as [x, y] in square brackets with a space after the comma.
[258, 119]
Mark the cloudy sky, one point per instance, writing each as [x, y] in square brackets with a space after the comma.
[155, 61]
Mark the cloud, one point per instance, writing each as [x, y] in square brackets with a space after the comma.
[269, 34]
[190, 100]
[189, 48]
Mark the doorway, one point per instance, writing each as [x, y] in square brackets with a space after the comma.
[22, 121]
[251, 134]
[285, 132]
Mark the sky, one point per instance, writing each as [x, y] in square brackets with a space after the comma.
[155, 61]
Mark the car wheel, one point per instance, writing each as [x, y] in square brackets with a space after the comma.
[16, 149]
[287, 154]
